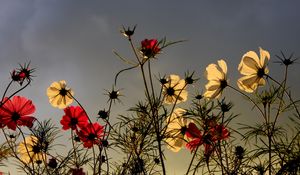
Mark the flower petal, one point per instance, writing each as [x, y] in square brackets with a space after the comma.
[213, 73]
[223, 66]
[248, 83]
[264, 57]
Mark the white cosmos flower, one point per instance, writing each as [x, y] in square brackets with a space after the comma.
[176, 127]
[253, 68]
[174, 90]
[217, 79]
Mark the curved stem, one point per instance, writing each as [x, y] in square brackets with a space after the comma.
[15, 93]
[6, 89]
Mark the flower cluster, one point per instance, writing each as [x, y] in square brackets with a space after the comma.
[75, 117]
[251, 67]
[182, 132]
[162, 119]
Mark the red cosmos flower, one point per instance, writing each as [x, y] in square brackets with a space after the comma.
[220, 132]
[149, 48]
[91, 134]
[74, 117]
[17, 111]
[195, 135]
[208, 139]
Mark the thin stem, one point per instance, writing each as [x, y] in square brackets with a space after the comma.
[289, 95]
[255, 104]
[150, 78]
[122, 173]
[94, 159]
[161, 156]
[281, 98]
[15, 93]
[74, 148]
[13, 150]
[25, 145]
[142, 68]
[154, 111]
[190, 165]
[6, 89]
[103, 138]
[269, 139]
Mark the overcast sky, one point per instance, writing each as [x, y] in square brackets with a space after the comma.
[74, 39]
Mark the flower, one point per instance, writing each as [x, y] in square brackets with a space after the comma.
[212, 134]
[74, 117]
[189, 79]
[91, 134]
[253, 69]
[174, 91]
[17, 112]
[217, 79]
[286, 61]
[195, 135]
[149, 48]
[31, 150]
[128, 32]
[219, 132]
[176, 127]
[22, 74]
[59, 95]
